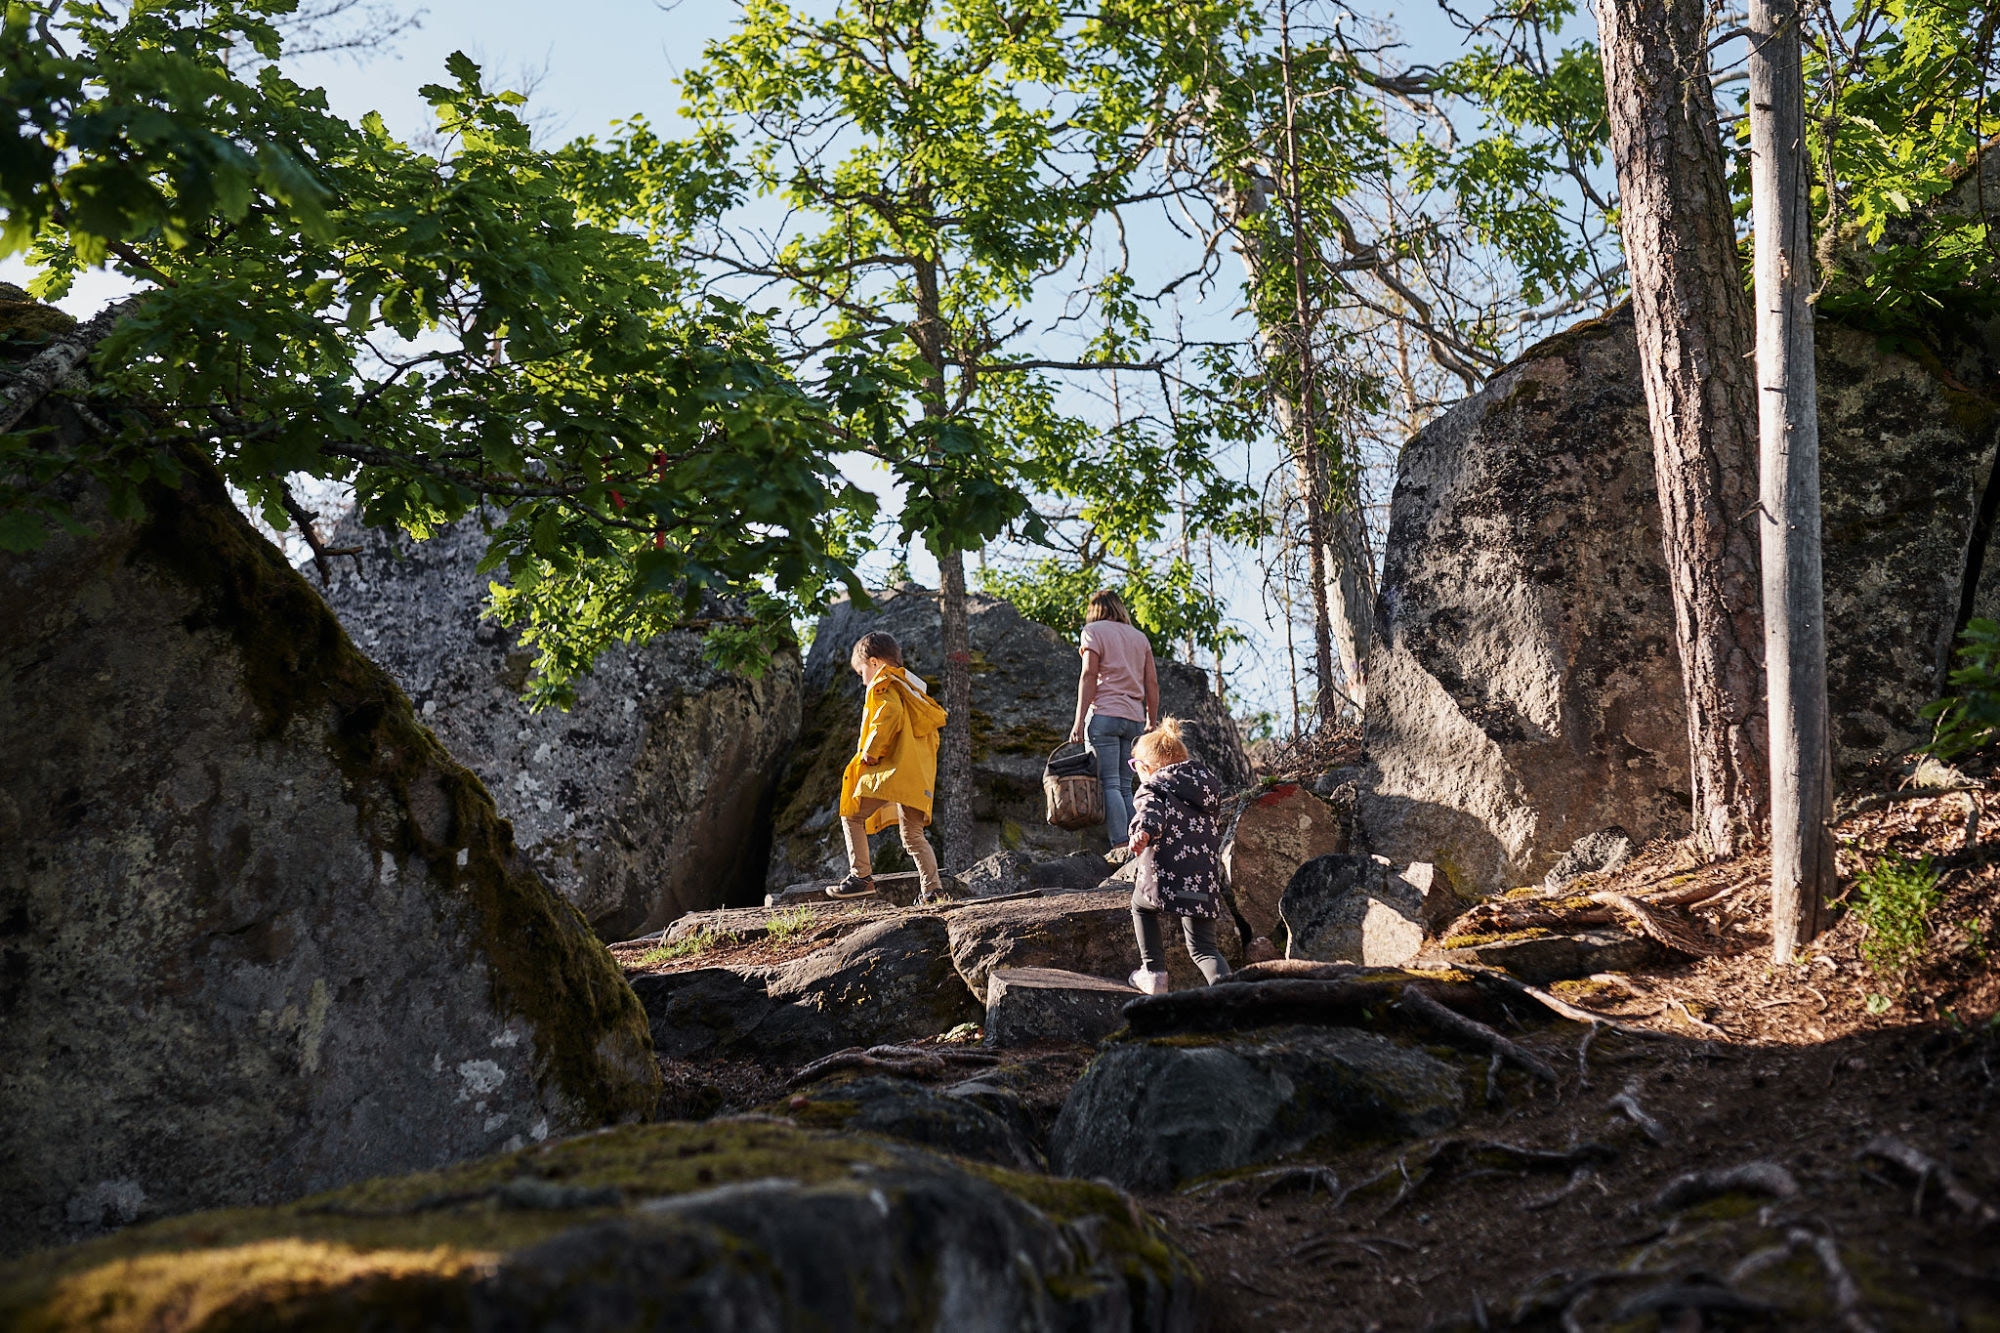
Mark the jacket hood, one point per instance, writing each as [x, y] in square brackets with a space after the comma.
[922, 713]
[1189, 783]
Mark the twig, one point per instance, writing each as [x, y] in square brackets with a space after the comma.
[1925, 1167]
[1688, 1014]
[1628, 1102]
[1749, 1178]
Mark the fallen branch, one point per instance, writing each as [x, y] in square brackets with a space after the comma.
[1277, 1180]
[1750, 1178]
[1927, 1168]
[1472, 1032]
[1444, 1154]
[37, 377]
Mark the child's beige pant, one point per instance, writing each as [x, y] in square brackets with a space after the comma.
[910, 823]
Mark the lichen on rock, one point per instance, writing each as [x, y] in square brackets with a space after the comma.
[265, 936]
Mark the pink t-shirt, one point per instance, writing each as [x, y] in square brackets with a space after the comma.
[1122, 656]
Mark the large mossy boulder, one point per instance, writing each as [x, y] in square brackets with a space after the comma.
[1148, 1115]
[262, 935]
[1524, 685]
[650, 797]
[727, 1225]
[1023, 700]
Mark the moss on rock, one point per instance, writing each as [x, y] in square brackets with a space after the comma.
[448, 1247]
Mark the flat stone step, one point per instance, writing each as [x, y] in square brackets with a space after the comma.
[895, 887]
[1034, 1005]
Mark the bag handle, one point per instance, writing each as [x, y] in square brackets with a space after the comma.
[1082, 748]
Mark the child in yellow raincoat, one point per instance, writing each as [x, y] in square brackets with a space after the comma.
[891, 777]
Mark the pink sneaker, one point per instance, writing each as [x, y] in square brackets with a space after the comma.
[1151, 983]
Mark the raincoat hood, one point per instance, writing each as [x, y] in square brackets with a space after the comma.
[1189, 783]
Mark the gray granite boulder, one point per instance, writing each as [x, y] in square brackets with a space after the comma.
[1524, 687]
[648, 798]
[1149, 1115]
[885, 982]
[745, 1225]
[1606, 849]
[1089, 932]
[892, 980]
[263, 935]
[1023, 699]
[1273, 834]
[901, 1108]
[1030, 1006]
[1357, 909]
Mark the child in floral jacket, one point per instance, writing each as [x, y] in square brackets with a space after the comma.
[1177, 841]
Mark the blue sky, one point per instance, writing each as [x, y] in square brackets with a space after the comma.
[596, 61]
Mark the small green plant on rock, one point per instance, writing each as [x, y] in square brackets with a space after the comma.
[789, 924]
[688, 946]
[1895, 900]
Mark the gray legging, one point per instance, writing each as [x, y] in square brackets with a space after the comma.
[1111, 742]
[1200, 934]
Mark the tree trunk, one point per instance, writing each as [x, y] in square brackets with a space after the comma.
[1350, 592]
[953, 799]
[1694, 341]
[1802, 860]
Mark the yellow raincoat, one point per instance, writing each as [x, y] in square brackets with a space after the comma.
[899, 726]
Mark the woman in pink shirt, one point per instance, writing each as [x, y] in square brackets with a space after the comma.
[1117, 700]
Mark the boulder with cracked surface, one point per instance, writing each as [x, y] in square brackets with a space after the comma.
[1524, 684]
[648, 798]
[264, 935]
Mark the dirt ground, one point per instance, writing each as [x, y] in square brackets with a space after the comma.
[1544, 1207]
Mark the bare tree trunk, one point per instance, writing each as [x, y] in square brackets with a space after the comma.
[951, 801]
[1312, 474]
[1694, 341]
[1802, 860]
[1350, 591]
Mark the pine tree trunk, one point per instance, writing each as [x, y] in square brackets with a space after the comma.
[1802, 861]
[952, 809]
[1694, 343]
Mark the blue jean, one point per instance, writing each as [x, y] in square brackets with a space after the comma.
[1111, 741]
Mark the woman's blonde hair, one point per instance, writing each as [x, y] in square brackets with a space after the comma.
[1106, 605]
[1162, 745]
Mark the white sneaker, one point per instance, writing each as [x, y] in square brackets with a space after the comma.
[1151, 983]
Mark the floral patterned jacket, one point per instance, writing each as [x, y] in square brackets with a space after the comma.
[1177, 809]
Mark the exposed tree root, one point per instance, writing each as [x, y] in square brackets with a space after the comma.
[1927, 1168]
[1443, 1155]
[906, 1061]
[1471, 1031]
[1749, 1178]
[1628, 1102]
